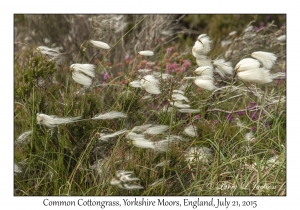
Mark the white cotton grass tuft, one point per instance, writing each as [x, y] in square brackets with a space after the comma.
[190, 131]
[273, 160]
[178, 91]
[203, 60]
[127, 178]
[132, 187]
[268, 59]
[135, 136]
[54, 121]
[190, 111]
[179, 104]
[223, 67]
[270, 163]
[52, 53]
[83, 73]
[88, 69]
[146, 53]
[205, 71]
[121, 173]
[179, 97]
[115, 181]
[144, 144]
[257, 75]
[249, 70]
[189, 77]
[141, 128]
[280, 75]
[105, 137]
[156, 129]
[246, 64]
[282, 38]
[98, 165]
[100, 44]
[202, 45]
[135, 84]
[17, 169]
[124, 180]
[201, 154]
[150, 84]
[162, 146]
[205, 82]
[82, 79]
[146, 97]
[249, 136]
[139, 140]
[23, 138]
[109, 115]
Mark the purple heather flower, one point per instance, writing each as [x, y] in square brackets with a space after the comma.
[169, 50]
[148, 65]
[241, 113]
[183, 69]
[186, 63]
[229, 117]
[168, 66]
[254, 116]
[197, 117]
[251, 105]
[127, 58]
[105, 76]
[175, 66]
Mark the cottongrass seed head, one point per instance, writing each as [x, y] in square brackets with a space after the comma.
[223, 67]
[23, 138]
[205, 82]
[83, 73]
[105, 137]
[52, 53]
[201, 154]
[100, 44]
[156, 129]
[109, 115]
[190, 131]
[202, 45]
[266, 58]
[249, 70]
[205, 71]
[146, 53]
[52, 121]
[124, 180]
[150, 84]
[258, 75]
